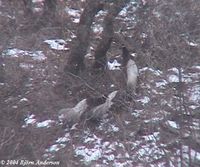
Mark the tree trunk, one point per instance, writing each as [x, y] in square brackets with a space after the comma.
[79, 49]
[49, 9]
[107, 35]
[48, 17]
[28, 5]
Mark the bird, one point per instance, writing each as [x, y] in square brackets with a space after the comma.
[132, 75]
[87, 108]
[99, 111]
[72, 116]
[131, 70]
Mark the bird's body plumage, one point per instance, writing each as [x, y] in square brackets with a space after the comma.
[72, 115]
[96, 110]
[132, 74]
[100, 110]
[131, 70]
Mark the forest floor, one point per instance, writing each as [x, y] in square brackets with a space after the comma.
[160, 126]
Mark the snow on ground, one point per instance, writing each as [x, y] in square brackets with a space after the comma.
[144, 100]
[173, 78]
[45, 124]
[75, 14]
[192, 43]
[55, 147]
[97, 28]
[173, 75]
[57, 44]
[131, 7]
[113, 128]
[31, 120]
[195, 94]
[64, 139]
[60, 143]
[161, 83]
[173, 124]
[88, 154]
[72, 12]
[14, 52]
[148, 148]
[194, 155]
[24, 100]
[113, 65]
[153, 71]
[26, 65]
[101, 13]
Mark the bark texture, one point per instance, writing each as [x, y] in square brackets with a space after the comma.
[79, 49]
[108, 32]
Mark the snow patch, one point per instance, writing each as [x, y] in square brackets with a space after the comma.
[64, 139]
[30, 120]
[113, 128]
[14, 52]
[55, 147]
[146, 151]
[122, 164]
[15, 107]
[24, 100]
[26, 66]
[161, 83]
[195, 156]
[73, 13]
[38, 55]
[153, 120]
[145, 100]
[155, 72]
[133, 54]
[154, 137]
[88, 154]
[196, 67]
[113, 65]
[135, 113]
[173, 78]
[76, 20]
[192, 43]
[57, 44]
[193, 106]
[60, 143]
[89, 140]
[111, 157]
[187, 78]
[112, 85]
[173, 124]
[195, 94]
[97, 29]
[37, 9]
[45, 124]
[175, 70]
[123, 12]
